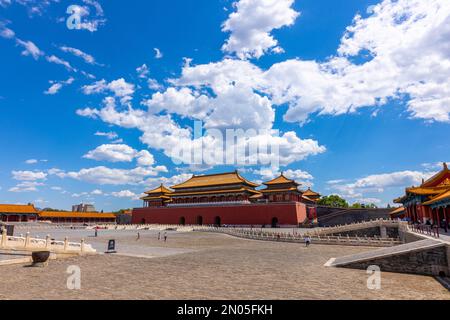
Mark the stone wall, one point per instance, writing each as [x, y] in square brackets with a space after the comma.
[426, 262]
[370, 232]
[330, 217]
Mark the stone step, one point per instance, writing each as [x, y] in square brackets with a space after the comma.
[385, 252]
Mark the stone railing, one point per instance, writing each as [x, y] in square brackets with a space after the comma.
[298, 238]
[432, 231]
[137, 227]
[354, 226]
[33, 244]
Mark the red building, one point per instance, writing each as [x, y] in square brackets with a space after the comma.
[430, 201]
[226, 199]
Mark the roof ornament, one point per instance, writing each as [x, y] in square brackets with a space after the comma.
[445, 166]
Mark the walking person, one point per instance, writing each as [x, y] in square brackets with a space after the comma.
[165, 236]
[96, 232]
[138, 236]
[445, 225]
[159, 236]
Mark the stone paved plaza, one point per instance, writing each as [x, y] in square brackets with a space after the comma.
[209, 266]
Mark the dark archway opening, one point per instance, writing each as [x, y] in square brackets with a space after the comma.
[143, 221]
[218, 222]
[275, 223]
[183, 221]
[200, 220]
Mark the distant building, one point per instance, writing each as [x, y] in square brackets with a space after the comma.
[28, 213]
[83, 208]
[228, 199]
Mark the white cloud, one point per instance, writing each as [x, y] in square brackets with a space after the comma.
[78, 53]
[358, 189]
[29, 175]
[121, 153]
[112, 153]
[56, 60]
[125, 194]
[143, 71]
[26, 186]
[30, 49]
[97, 192]
[158, 53]
[119, 87]
[110, 135]
[108, 176]
[252, 23]
[31, 161]
[57, 85]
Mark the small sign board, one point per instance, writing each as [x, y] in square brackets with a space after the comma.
[111, 246]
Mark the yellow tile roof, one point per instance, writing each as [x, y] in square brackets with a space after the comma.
[17, 208]
[90, 215]
[440, 197]
[156, 198]
[397, 211]
[215, 180]
[214, 192]
[426, 191]
[280, 180]
[437, 177]
[310, 193]
[160, 189]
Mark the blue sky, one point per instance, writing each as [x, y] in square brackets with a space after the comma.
[358, 90]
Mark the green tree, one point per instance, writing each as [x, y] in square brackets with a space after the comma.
[333, 201]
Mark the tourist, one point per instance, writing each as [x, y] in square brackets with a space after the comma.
[445, 225]
[307, 241]
[138, 236]
[165, 236]
[159, 236]
[96, 232]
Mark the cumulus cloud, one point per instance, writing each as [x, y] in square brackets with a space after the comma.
[252, 23]
[358, 189]
[112, 153]
[121, 153]
[119, 87]
[109, 176]
[125, 194]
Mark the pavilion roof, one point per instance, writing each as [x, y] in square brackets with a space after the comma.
[215, 180]
[438, 177]
[443, 196]
[195, 193]
[280, 180]
[160, 189]
[425, 191]
[310, 193]
[397, 211]
[17, 208]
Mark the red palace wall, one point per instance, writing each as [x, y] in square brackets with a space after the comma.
[291, 214]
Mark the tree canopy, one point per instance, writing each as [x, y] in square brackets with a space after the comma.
[333, 201]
